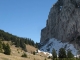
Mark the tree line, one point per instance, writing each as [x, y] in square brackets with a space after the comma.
[63, 55]
[17, 41]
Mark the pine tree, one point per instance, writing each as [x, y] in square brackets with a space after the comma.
[54, 54]
[0, 47]
[7, 49]
[17, 43]
[36, 45]
[22, 45]
[69, 54]
[62, 53]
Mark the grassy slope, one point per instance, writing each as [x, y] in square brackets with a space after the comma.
[17, 52]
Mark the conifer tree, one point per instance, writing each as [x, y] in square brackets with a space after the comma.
[7, 49]
[0, 47]
[62, 53]
[54, 54]
[22, 45]
[69, 54]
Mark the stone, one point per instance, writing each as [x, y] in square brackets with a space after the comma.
[63, 21]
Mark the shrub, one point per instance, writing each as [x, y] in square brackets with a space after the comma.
[6, 49]
[34, 59]
[24, 55]
[34, 53]
[45, 59]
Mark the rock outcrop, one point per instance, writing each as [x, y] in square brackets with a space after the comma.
[63, 21]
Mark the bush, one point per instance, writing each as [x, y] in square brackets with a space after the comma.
[49, 57]
[62, 53]
[24, 55]
[34, 53]
[45, 59]
[6, 49]
[66, 59]
[34, 59]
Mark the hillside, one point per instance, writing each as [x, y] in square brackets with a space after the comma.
[17, 41]
[57, 44]
[30, 57]
[17, 47]
[16, 53]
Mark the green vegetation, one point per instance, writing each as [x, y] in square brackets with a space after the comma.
[18, 41]
[34, 59]
[5, 48]
[45, 59]
[24, 55]
[34, 53]
[63, 55]
[69, 54]
[54, 54]
[1, 47]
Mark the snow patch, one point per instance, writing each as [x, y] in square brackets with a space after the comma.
[49, 54]
[57, 44]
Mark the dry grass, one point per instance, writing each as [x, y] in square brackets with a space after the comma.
[9, 57]
[30, 57]
[30, 49]
[17, 52]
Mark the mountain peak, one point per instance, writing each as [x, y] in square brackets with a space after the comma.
[63, 24]
[63, 21]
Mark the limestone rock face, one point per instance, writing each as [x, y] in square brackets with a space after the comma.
[63, 21]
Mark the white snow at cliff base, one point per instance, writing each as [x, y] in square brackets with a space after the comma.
[57, 44]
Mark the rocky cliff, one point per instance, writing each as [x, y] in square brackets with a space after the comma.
[63, 21]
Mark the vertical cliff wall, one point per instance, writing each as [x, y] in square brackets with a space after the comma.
[63, 21]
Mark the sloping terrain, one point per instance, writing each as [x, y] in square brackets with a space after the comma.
[30, 57]
[57, 44]
[30, 49]
[16, 53]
